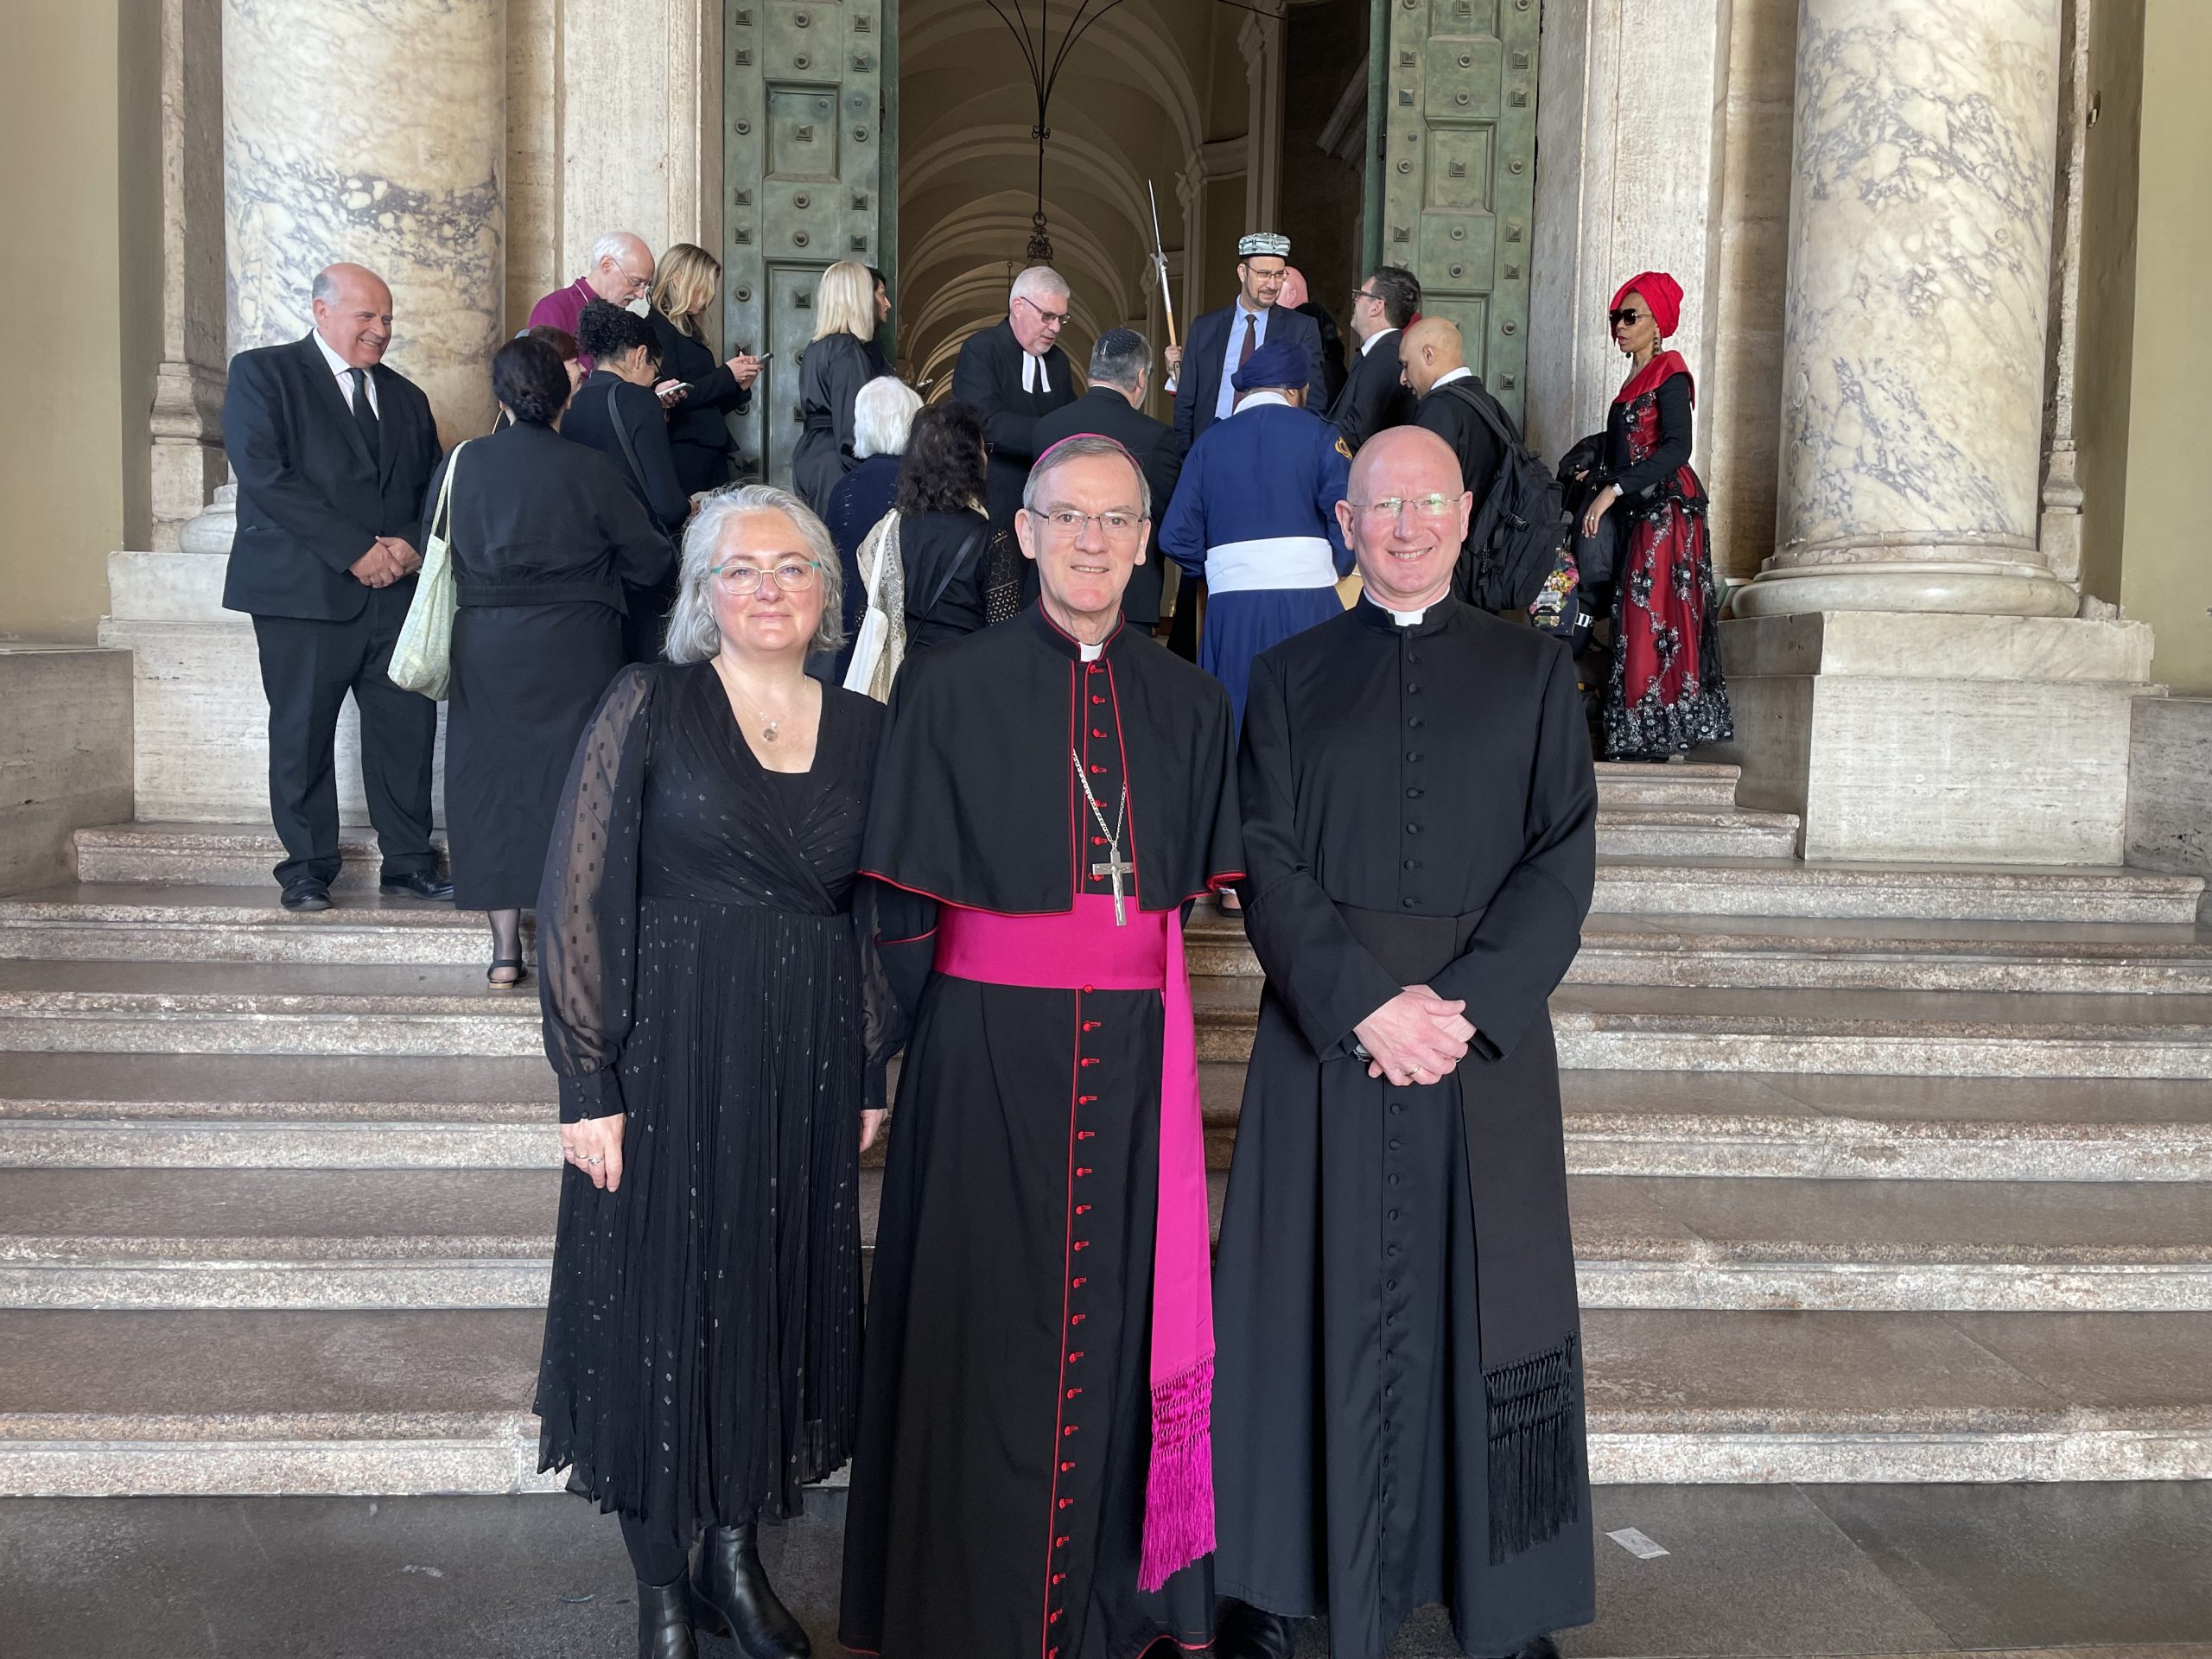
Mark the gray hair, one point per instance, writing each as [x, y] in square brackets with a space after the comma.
[883, 413]
[612, 246]
[1038, 281]
[693, 636]
[1082, 447]
[1118, 357]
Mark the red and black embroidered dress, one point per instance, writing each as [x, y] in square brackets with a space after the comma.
[1667, 694]
[1033, 1448]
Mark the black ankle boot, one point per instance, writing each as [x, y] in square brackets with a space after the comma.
[732, 1597]
[664, 1621]
[1243, 1632]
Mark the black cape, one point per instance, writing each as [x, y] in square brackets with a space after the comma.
[1398, 1413]
[997, 1499]
[988, 377]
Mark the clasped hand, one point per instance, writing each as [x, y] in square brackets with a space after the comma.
[1416, 1037]
[389, 559]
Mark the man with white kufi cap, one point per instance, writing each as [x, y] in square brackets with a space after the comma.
[1223, 341]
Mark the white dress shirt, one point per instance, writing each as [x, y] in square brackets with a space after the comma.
[344, 370]
[1375, 338]
[1463, 372]
[1226, 401]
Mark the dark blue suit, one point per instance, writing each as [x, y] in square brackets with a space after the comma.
[1199, 388]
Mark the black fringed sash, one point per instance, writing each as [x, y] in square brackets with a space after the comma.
[1524, 1256]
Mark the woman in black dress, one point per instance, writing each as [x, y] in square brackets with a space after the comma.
[836, 364]
[961, 575]
[696, 389]
[544, 536]
[721, 1070]
[616, 412]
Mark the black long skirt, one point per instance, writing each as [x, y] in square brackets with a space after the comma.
[997, 1505]
[701, 1340]
[525, 680]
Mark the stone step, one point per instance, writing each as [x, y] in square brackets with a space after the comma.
[157, 921]
[1647, 883]
[1669, 831]
[273, 1111]
[1677, 783]
[1925, 1033]
[233, 1007]
[1812, 953]
[401, 1239]
[131, 1404]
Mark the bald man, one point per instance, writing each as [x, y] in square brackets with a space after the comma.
[334, 450]
[1398, 1394]
[620, 272]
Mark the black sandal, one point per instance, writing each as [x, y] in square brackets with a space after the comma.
[498, 963]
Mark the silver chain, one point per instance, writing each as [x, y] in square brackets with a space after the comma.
[1113, 835]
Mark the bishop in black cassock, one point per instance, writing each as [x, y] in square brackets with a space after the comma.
[1399, 1419]
[1012, 372]
[1031, 1477]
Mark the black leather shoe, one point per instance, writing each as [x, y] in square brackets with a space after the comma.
[421, 884]
[1244, 1631]
[1542, 1647]
[307, 894]
[664, 1622]
[731, 1596]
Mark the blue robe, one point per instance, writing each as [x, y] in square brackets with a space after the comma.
[1254, 514]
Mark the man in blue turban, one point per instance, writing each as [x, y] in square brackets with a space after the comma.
[1256, 515]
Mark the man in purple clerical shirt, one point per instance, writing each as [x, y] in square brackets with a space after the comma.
[621, 273]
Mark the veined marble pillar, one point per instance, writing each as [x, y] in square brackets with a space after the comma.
[1908, 673]
[375, 131]
[1920, 226]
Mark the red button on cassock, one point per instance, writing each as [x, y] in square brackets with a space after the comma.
[1081, 1170]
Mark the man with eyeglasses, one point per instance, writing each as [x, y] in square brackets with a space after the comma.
[1254, 514]
[621, 273]
[1010, 374]
[1399, 1416]
[1030, 1475]
[1375, 397]
[1223, 341]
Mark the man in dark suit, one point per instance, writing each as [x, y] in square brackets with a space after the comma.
[1223, 341]
[1375, 397]
[1120, 372]
[1012, 374]
[332, 452]
[1453, 402]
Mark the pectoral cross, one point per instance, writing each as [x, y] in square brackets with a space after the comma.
[1115, 869]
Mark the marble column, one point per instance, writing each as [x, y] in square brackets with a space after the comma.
[1920, 236]
[185, 426]
[371, 131]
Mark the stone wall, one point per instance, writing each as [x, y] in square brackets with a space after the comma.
[2170, 785]
[65, 755]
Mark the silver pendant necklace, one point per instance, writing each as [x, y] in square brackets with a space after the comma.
[1113, 866]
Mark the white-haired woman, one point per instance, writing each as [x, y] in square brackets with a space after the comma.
[883, 415]
[702, 982]
[832, 370]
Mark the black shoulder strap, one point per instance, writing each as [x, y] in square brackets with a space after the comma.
[1493, 417]
[622, 434]
[952, 568]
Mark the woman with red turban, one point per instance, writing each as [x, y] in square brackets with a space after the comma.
[1666, 695]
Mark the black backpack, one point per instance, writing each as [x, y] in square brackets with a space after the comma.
[1521, 545]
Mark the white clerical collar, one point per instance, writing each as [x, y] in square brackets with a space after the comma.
[1463, 372]
[1032, 373]
[1255, 399]
[1090, 653]
[1374, 340]
[1409, 619]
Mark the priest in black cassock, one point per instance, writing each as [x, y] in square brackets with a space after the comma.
[1399, 1416]
[1032, 1477]
[1012, 372]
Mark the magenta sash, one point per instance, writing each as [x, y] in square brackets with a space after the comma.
[1082, 949]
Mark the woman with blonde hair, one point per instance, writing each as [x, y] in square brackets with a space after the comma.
[720, 1038]
[836, 364]
[695, 389]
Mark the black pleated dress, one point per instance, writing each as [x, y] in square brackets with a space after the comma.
[704, 974]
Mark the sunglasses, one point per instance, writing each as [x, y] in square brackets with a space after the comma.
[1626, 313]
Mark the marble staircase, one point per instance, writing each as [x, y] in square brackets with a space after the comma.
[1878, 1173]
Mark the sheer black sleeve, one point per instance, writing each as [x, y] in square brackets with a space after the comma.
[1532, 926]
[897, 940]
[587, 905]
[1673, 452]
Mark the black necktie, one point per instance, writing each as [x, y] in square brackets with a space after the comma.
[364, 414]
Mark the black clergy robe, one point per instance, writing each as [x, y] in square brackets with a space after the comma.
[999, 1476]
[1398, 1408]
[988, 377]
